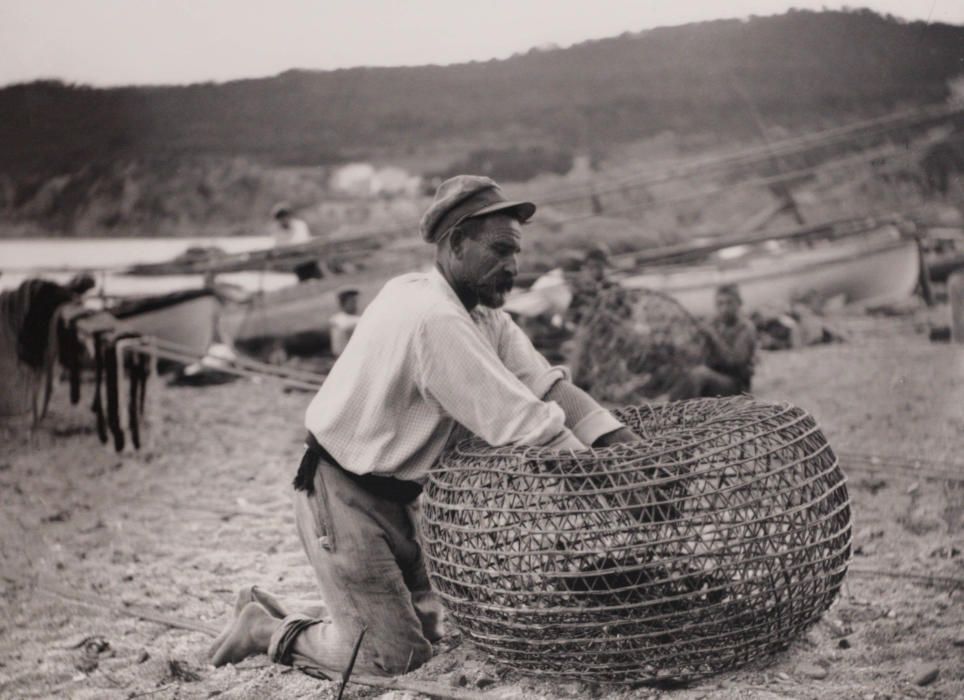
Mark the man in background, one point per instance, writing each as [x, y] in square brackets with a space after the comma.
[731, 338]
[285, 228]
[342, 324]
[587, 282]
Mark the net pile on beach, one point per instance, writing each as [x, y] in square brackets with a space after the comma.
[634, 344]
[715, 541]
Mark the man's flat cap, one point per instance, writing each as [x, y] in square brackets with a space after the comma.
[464, 197]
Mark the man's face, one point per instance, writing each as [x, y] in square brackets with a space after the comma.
[596, 269]
[349, 304]
[727, 307]
[489, 264]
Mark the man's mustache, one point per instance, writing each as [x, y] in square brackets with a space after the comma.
[503, 283]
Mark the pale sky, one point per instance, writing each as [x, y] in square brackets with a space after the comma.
[115, 42]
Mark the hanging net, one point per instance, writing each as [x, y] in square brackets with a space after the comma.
[634, 344]
[716, 540]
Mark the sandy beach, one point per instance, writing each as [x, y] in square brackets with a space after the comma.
[177, 528]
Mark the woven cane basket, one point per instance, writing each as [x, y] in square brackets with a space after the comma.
[716, 541]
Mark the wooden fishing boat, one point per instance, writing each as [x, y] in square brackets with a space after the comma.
[187, 318]
[872, 266]
[302, 311]
[260, 319]
[271, 317]
[866, 261]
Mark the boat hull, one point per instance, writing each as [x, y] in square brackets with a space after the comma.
[298, 309]
[189, 323]
[876, 269]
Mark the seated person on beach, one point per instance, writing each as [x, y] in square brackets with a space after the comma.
[569, 290]
[731, 338]
[342, 324]
[431, 353]
[587, 282]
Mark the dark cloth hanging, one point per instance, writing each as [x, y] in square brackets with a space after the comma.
[98, 405]
[112, 370]
[111, 386]
[138, 367]
[41, 299]
[28, 346]
[70, 347]
[108, 402]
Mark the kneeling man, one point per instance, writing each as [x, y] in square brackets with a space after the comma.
[431, 352]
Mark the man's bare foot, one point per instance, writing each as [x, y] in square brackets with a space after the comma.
[248, 594]
[268, 602]
[249, 635]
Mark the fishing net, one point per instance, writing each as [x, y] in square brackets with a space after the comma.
[634, 344]
[714, 541]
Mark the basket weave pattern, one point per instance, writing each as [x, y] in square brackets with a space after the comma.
[717, 540]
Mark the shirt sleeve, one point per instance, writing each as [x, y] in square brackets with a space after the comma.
[525, 362]
[459, 370]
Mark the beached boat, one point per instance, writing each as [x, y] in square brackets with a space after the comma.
[870, 267]
[257, 320]
[186, 318]
[302, 308]
[866, 261]
[300, 313]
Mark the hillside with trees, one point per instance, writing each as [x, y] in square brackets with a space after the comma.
[799, 71]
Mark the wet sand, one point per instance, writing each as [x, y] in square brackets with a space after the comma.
[178, 528]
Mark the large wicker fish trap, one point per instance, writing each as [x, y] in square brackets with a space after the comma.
[716, 541]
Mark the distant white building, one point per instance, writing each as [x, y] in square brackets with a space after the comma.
[365, 180]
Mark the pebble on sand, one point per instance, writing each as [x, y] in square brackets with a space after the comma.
[927, 675]
[812, 670]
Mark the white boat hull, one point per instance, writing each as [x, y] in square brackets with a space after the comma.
[300, 308]
[190, 323]
[877, 268]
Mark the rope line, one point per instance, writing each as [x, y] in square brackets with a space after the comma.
[930, 578]
[303, 379]
[895, 465]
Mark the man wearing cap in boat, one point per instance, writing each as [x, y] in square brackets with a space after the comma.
[431, 352]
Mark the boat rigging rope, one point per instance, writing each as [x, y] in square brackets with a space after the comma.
[241, 367]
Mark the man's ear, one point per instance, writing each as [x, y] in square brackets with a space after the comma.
[457, 242]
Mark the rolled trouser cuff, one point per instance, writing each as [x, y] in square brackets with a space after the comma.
[282, 645]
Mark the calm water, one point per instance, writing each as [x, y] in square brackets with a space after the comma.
[58, 259]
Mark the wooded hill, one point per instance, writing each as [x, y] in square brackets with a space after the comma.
[800, 70]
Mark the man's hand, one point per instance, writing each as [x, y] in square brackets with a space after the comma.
[620, 435]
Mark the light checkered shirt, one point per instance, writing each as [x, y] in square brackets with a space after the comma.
[417, 364]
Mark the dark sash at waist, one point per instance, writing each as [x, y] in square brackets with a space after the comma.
[387, 487]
